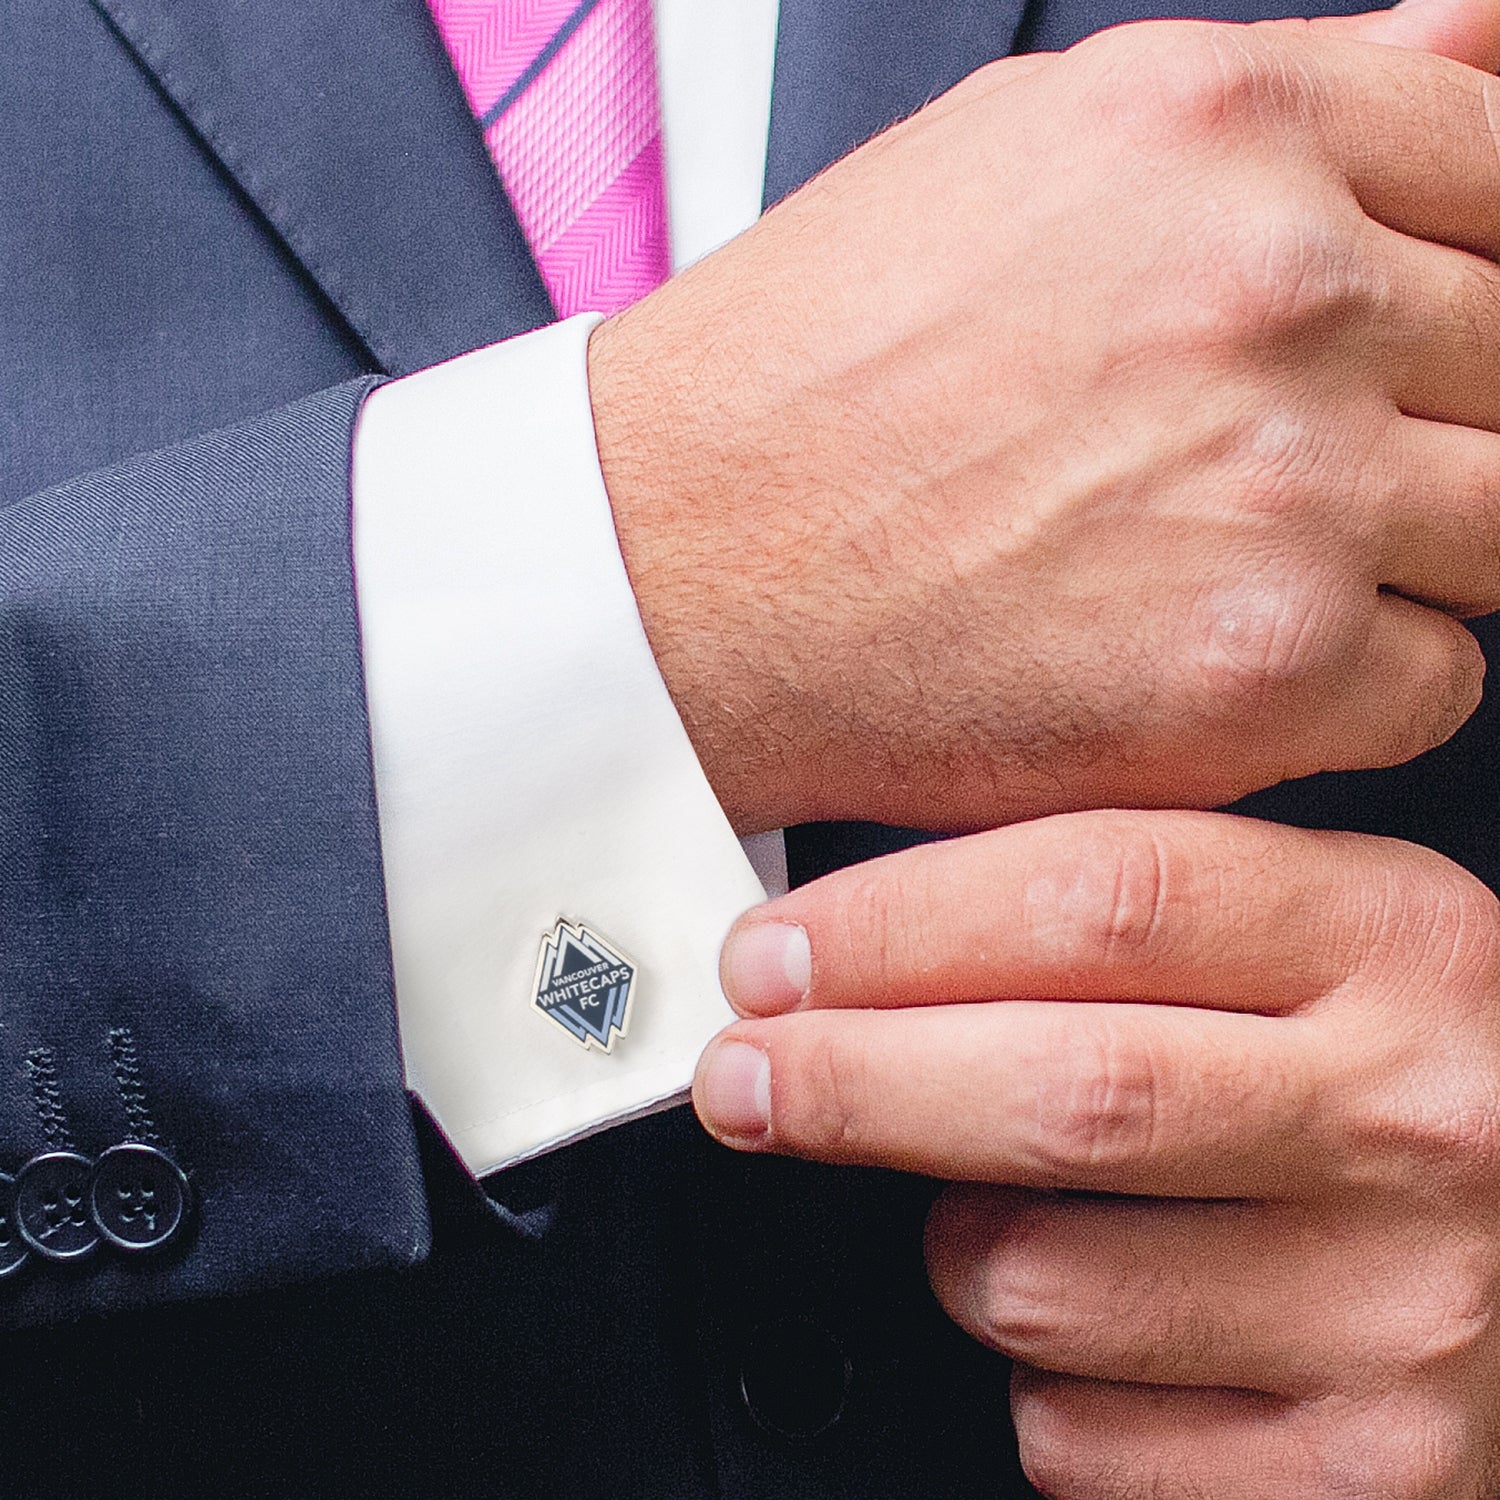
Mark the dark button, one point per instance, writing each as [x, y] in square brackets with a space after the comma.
[140, 1198]
[795, 1378]
[13, 1251]
[52, 1207]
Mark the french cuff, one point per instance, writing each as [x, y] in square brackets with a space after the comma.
[558, 871]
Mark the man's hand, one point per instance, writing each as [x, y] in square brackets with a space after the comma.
[1118, 429]
[1250, 1242]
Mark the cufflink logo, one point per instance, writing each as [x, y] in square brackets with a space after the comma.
[585, 985]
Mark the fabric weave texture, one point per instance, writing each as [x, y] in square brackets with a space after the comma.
[566, 93]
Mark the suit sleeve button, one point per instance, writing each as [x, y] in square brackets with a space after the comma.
[795, 1378]
[52, 1210]
[140, 1198]
[13, 1251]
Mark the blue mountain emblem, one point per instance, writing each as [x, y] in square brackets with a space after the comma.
[584, 984]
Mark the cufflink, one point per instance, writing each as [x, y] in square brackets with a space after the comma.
[584, 984]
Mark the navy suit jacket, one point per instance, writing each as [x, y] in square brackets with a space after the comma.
[220, 222]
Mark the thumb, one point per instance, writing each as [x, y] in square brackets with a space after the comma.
[1468, 31]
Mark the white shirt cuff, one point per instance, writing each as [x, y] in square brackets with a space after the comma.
[529, 762]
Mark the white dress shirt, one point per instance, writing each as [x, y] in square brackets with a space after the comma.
[529, 763]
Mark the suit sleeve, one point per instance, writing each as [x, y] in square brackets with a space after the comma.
[193, 947]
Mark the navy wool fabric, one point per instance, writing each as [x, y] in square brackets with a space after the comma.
[226, 217]
[190, 855]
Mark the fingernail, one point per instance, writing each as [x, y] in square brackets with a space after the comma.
[766, 967]
[735, 1095]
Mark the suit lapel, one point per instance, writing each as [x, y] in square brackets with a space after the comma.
[845, 69]
[343, 123]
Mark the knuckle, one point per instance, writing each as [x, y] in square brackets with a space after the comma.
[1015, 1318]
[1428, 1312]
[1291, 269]
[1265, 637]
[867, 923]
[1281, 454]
[1422, 919]
[1053, 1457]
[1432, 1129]
[1452, 1315]
[1270, 264]
[1455, 1138]
[1069, 1448]
[1168, 83]
[824, 1110]
[1017, 1309]
[1411, 1448]
[1278, 276]
[1098, 1108]
[1115, 903]
[1052, 1469]
[1438, 925]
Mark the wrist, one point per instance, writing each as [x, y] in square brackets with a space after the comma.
[670, 469]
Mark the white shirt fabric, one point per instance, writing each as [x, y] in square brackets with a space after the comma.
[529, 763]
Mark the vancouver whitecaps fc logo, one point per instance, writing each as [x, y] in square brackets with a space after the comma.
[584, 984]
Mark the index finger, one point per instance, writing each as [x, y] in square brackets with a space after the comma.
[1134, 1099]
[1181, 908]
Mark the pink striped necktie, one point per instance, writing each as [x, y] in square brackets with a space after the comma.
[565, 91]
